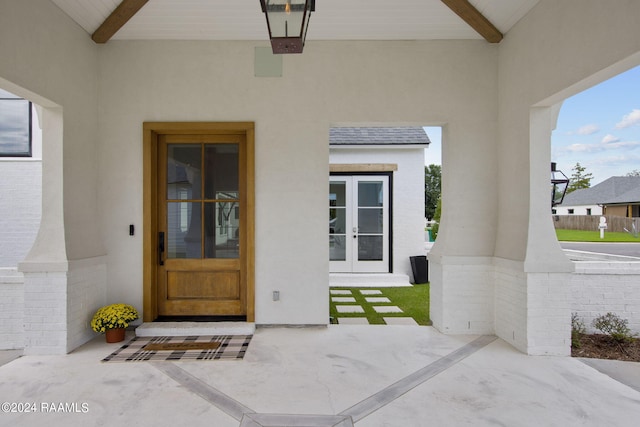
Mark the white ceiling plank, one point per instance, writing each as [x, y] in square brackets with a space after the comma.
[88, 14]
[333, 19]
[503, 14]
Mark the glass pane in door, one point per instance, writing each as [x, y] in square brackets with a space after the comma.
[221, 168]
[370, 194]
[222, 230]
[370, 248]
[370, 220]
[184, 171]
[183, 230]
[337, 221]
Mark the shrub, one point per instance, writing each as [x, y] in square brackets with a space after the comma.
[436, 217]
[611, 324]
[578, 329]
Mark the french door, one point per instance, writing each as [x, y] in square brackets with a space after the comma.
[359, 224]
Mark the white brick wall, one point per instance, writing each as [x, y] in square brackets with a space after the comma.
[511, 303]
[11, 309]
[483, 295]
[601, 287]
[45, 312]
[20, 208]
[532, 309]
[548, 314]
[86, 293]
[58, 306]
[465, 305]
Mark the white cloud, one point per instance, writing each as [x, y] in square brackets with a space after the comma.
[604, 167]
[607, 144]
[608, 138]
[633, 118]
[588, 129]
[580, 148]
[619, 160]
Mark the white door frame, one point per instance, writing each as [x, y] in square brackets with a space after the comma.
[347, 235]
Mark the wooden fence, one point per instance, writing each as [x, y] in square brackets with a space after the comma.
[591, 222]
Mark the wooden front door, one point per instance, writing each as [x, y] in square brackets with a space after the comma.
[203, 216]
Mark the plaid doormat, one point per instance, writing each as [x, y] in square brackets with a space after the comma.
[142, 349]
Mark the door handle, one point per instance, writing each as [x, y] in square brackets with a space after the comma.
[161, 248]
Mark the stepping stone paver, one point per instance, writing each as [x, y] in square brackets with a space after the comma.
[400, 321]
[371, 292]
[349, 309]
[340, 292]
[387, 309]
[377, 299]
[353, 321]
[343, 299]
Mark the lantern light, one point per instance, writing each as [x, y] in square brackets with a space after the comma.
[559, 185]
[287, 22]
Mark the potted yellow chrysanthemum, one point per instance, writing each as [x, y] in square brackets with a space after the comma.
[112, 320]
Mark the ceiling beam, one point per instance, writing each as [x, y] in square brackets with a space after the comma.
[117, 19]
[475, 19]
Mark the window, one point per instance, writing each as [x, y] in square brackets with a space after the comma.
[570, 211]
[15, 126]
[588, 211]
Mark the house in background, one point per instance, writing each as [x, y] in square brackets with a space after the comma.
[626, 202]
[376, 203]
[579, 202]
[615, 196]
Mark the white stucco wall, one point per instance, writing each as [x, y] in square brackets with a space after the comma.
[352, 82]
[408, 196]
[56, 66]
[555, 51]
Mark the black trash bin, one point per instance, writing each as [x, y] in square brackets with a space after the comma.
[420, 269]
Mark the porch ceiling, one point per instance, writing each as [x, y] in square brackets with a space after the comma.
[333, 19]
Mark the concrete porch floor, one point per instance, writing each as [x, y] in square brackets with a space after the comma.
[342, 375]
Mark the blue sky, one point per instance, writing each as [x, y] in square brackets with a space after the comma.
[433, 154]
[598, 128]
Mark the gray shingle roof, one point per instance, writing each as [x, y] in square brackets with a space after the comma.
[617, 189]
[631, 196]
[378, 136]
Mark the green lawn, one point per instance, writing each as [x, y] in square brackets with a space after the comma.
[594, 236]
[413, 300]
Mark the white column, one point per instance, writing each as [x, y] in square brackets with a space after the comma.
[45, 266]
[532, 295]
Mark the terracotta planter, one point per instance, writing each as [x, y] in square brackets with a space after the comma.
[114, 335]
